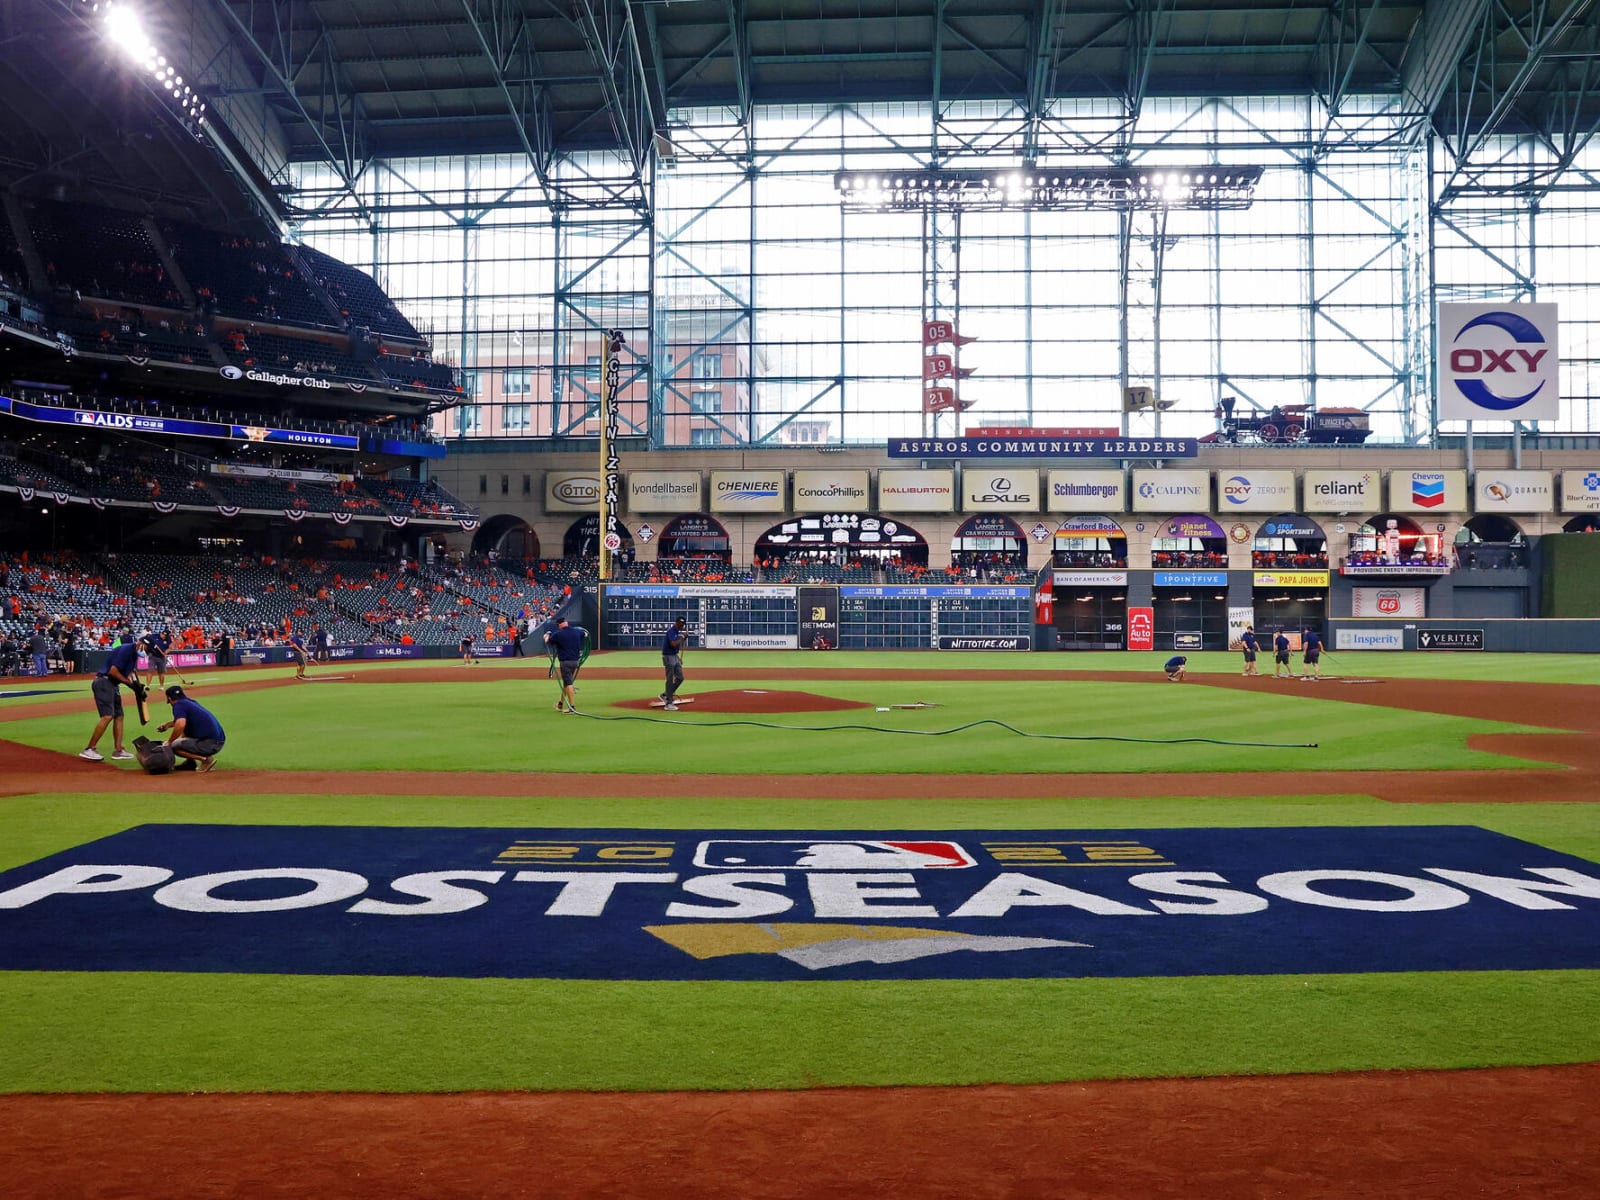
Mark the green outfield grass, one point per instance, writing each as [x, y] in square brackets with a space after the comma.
[134, 1032]
[509, 723]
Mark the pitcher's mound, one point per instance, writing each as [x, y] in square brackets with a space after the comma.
[753, 700]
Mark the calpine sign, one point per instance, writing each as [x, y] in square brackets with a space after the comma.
[1499, 362]
[800, 904]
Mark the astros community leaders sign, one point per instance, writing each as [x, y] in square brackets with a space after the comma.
[1040, 447]
[800, 904]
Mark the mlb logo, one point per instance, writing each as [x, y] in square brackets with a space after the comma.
[1427, 491]
[823, 853]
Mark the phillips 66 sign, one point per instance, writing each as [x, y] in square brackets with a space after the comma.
[1498, 362]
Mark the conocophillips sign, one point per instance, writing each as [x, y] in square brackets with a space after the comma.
[831, 491]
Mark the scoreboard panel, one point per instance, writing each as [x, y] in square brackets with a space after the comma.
[635, 616]
[935, 618]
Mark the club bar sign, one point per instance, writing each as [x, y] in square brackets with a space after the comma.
[831, 491]
[1086, 491]
[747, 491]
[917, 491]
[1255, 491]
[1003, 491]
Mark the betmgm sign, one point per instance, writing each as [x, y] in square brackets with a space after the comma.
[1498, 362]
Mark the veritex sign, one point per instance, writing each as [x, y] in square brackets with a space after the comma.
[1450, 639]
[800, 904]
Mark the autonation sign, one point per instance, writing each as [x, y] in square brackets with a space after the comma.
[800, 904]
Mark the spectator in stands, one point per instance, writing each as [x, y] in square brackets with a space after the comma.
[39, 648]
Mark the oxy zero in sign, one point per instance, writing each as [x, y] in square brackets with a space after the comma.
[1141, 629]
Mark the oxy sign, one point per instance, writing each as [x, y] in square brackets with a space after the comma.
[1499, 362]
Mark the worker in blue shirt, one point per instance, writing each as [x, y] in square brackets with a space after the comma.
[1176, 668]
[1311, 653]
[196, 733]
[121, 670]
[1280, 656]
[1251, 646]
[569, 644]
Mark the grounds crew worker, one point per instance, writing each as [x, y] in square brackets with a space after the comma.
[196, 734]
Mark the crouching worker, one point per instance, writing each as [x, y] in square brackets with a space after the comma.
[196, 735]
[1176, 668]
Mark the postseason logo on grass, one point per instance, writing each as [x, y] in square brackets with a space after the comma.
[782, 905]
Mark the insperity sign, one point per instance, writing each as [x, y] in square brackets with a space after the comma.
[800, 904]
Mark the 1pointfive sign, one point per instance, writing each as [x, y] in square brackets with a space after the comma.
[1498, 362]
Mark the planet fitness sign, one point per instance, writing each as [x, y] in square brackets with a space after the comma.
[800, 904]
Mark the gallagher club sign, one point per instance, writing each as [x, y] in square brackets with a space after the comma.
[800, 904]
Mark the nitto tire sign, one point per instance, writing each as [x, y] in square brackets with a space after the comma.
[778, 905]
[1450, 639]
[985, 643]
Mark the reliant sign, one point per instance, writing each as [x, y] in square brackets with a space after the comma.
[747, 491]
[664, 492]
[1428, 491]
[1086, 491]
[1514, 491]
[1003, 491]
[738, 905]
[917, 491]
[1171, 491]
[831, 491]
[1580, 490]
[1499, 362]
[1341, 491]
[571, 491]
[1255, 491]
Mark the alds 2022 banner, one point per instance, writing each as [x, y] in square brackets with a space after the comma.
[800, 904]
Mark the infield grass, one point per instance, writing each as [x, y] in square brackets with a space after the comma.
[508, 723]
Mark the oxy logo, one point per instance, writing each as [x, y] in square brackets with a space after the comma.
[1236, 489]
[1496, 378]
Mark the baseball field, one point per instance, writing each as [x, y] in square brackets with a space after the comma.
[914, 923]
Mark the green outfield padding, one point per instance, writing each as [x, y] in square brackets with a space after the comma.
[1571, 580]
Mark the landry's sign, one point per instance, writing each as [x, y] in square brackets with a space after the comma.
[800, 904]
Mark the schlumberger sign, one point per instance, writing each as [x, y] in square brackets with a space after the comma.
[800, 904]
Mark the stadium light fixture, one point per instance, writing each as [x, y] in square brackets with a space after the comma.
[1049, 189]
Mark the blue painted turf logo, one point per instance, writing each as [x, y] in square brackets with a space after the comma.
[800, 904]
